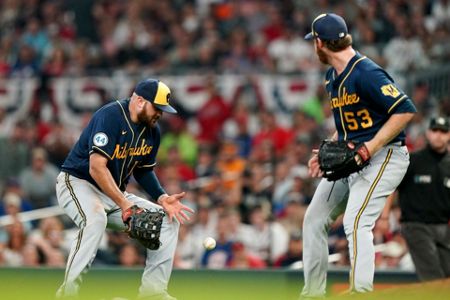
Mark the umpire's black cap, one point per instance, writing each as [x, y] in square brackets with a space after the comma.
[157, 92]
[441, 123]
[328, 27]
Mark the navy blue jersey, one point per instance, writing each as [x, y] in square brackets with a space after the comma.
[362, 98]
[111, 133]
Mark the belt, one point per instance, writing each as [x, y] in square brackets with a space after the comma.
[398, 143]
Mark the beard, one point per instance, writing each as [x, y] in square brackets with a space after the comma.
[146, 120]
[322, 56]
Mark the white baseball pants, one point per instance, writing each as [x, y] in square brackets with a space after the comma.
[361, 197]
[92, 211]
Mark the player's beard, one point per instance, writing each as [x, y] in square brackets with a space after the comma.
[143, 118]
[322, 56]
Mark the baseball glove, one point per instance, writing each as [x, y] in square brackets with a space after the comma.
[144, 225]
[338, 159]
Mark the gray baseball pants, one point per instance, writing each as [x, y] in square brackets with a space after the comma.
[361, 197]
[92, 211]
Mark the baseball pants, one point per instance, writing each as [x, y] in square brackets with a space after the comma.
[92, 211]
[429, 245]
[361, 197]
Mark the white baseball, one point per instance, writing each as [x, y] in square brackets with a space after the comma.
[209, 243]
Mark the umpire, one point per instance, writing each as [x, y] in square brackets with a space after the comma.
[425, 204]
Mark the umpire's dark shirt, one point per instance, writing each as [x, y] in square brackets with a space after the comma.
[425, 189]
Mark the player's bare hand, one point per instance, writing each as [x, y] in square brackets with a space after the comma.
[174, 208]
[126, 204]
[313, 165]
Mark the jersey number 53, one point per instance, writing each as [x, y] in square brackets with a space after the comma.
[357, 120]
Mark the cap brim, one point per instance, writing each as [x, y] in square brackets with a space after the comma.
[309, 36]
[166, 108]
[439, 127]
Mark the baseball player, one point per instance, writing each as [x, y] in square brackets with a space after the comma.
[368, 107]
[121, 140]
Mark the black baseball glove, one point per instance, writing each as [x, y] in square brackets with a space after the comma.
[144, 225]
[339, 159]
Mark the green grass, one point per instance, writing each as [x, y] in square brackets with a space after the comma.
[106, 284]
[23, 284]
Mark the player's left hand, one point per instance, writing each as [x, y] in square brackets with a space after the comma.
[174, 208]
[339, 159]
[313, 165]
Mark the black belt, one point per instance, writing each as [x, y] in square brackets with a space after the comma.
[398, 143]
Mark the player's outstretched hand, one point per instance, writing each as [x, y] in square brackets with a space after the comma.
[174, 208]
[313, 165]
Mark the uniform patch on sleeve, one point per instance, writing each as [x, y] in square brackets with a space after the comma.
[390, 90]
[100, 139]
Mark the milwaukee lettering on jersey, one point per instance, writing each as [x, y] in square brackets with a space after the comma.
[122, 152]
[128, 146]
[344, 100]
[362, 97]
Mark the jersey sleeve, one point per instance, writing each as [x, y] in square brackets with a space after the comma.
[104, 134]
[150, 160]
[382, 91]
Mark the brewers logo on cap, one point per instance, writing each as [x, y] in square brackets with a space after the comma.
[157, 92]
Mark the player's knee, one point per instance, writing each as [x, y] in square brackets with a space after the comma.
[349, 225]
[309, 217]
[98, 220]
[314, 223]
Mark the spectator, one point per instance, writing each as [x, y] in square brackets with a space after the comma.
[391, 256]
[12, 202]
[56, 63]
[174, 164]
[212, 115]
[289, 186]
[239, 231]
[294, 252]
[38, 181]
[230, 166]
[30, 256]
[292, 216]
[26, 64]
[15, 244]
[242, 259]
[271, 132]
[188, 249]
[341, 248]
[181, 138]
[290, 53]
[58, 142]
[6, 123]
[404, 52]
[16, 149]
[51, 242]
[129, 256]
[256, 188]
[36, 37]
[204, 166]
[220, 256]
[205, 222]
[267, 240]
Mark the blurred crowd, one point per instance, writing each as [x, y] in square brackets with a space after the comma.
[70, 37]
[244, 168]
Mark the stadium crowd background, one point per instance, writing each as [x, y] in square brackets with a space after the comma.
[244, 169]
